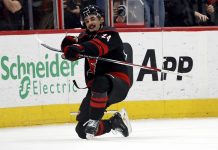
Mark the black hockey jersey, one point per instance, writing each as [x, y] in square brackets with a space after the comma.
[105, 43]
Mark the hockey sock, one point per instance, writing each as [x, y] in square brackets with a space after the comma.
[97, 105]
[104, 127]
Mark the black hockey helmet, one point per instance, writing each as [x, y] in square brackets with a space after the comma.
[92, 10]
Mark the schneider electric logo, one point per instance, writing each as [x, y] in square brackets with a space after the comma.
[39, 78]
[24, 87]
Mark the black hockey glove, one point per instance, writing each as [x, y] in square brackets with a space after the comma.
[68, 40]
[72, 52]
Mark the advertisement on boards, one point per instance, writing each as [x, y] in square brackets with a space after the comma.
[32, 75]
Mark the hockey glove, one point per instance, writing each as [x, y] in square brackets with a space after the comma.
[68, 40]
[72, 52]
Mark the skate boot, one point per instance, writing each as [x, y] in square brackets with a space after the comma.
[91, 128]
[120, 122]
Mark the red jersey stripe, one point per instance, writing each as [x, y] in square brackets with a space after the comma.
[122, 76]
[100, 50]
[104, 49]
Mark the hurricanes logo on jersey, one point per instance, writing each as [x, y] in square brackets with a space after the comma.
[92, 65]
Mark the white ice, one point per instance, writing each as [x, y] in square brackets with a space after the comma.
[150, 134]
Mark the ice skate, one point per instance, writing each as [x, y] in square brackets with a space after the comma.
[120, 122]
[91, 128]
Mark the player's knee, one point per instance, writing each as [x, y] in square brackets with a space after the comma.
[80, 130]
[101, 84]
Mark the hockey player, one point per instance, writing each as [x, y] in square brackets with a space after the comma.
[108, 83]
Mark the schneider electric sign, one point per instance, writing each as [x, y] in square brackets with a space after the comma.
[38, 77]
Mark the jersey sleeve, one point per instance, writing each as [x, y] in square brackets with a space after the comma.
[103, 43]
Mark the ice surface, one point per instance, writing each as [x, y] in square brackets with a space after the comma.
[160, 134]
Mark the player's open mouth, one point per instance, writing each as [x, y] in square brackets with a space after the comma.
[92, 26]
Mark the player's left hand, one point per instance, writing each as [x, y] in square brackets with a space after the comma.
[69, 40]
[73, 51]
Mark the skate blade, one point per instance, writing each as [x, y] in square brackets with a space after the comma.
[125, 118]
[89, 136]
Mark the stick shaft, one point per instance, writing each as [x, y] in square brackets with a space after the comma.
[108, 112]
[135, 65]
[122, 63]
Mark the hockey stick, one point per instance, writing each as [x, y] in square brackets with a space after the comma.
[107, 111]
[47, 46]
[116, 61]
